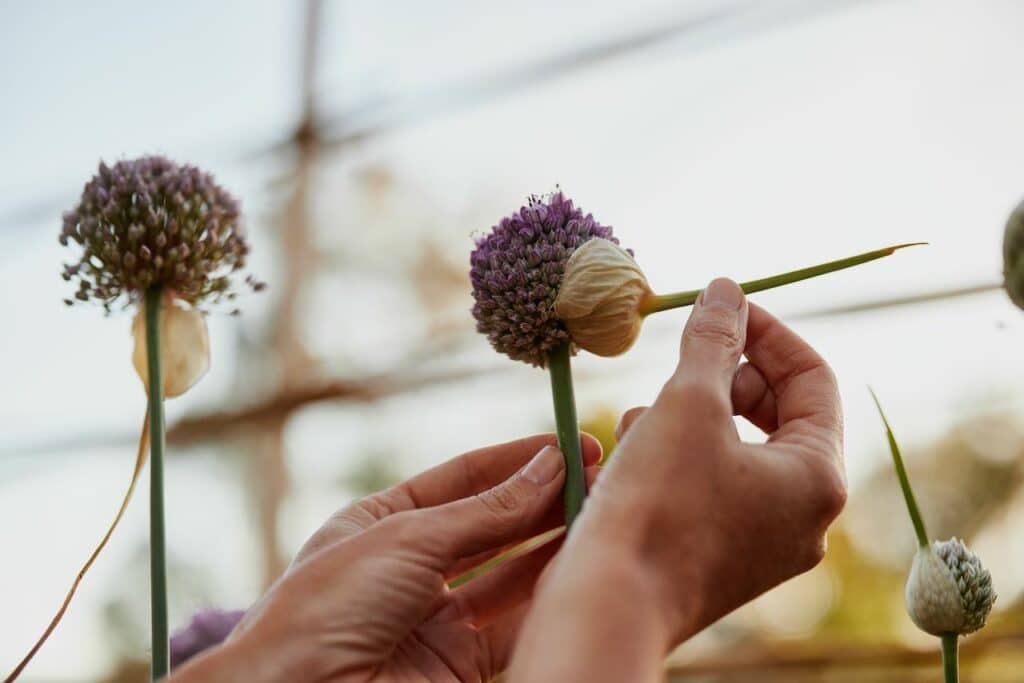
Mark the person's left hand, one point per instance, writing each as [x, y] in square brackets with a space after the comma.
[367, 598]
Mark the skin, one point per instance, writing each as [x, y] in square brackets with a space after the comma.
[686, 524]
[689, 522]
[366, 598]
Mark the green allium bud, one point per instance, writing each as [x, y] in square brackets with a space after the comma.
[949, 591]
[1013, 256]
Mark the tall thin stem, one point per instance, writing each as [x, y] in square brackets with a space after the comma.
[664, 302]
[157, 541]
[901, 474]
[950, 667]
[568, 430]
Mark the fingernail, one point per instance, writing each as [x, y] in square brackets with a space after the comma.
[723, 293]
[544, 467]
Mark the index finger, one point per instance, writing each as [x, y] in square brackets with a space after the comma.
[479, 470]
[806, 393]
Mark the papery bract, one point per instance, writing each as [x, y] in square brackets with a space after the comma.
[184, 347]
[599, 299]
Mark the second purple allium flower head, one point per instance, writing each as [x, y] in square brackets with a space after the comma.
[149, 222]
[516, 271]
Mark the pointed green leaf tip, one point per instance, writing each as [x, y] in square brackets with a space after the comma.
[901, 473]
[664, 302]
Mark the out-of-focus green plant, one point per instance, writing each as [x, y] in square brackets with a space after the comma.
[949, 593]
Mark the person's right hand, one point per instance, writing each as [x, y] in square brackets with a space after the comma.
[688, 522]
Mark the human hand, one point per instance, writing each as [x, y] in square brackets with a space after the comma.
[367, 597]
[689, 522]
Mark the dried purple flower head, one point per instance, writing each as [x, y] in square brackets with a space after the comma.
[516, 271]
[150, 222]
[207, 629]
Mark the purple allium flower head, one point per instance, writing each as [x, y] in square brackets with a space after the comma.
[207, 628]
[150, 222]
[516, 270]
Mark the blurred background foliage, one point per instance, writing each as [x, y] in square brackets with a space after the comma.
[370, 141]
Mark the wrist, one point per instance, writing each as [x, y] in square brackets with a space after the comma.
[640, 551]
[590, 599]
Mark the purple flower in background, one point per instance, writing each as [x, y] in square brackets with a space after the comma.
[208, 628]
[150, 222]
[516, 271]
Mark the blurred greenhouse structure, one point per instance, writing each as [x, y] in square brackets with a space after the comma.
[370, 141]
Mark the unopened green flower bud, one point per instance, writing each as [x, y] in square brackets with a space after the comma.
[184, 347]
[599, 299]
[949, 591]
[1013, 256]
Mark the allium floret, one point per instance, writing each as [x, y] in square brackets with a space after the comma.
[973, 581]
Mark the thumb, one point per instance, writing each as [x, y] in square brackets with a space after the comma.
[504, 514]
[714, 338]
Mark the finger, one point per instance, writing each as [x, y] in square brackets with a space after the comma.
[805, 389]
[505, 587]
[460, 477]
[627, 420]
[753, 399]
[490, 519]
[476, 471]
[713, 342]
[553, 519]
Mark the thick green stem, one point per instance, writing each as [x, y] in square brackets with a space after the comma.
[950, 668]
[157, 542]
[567, 427]
[901, 474]
[664, 302]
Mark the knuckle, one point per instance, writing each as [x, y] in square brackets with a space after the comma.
[696, 396]
[716, 326]
[829, 375]
[812, 555]
[830, 495]
[502, 502]
[377, 505]
[405, 529]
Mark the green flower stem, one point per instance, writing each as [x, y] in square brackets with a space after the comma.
[568, 429]
[901, 473]
[157, 542]
[950, 668]
[664, 302]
